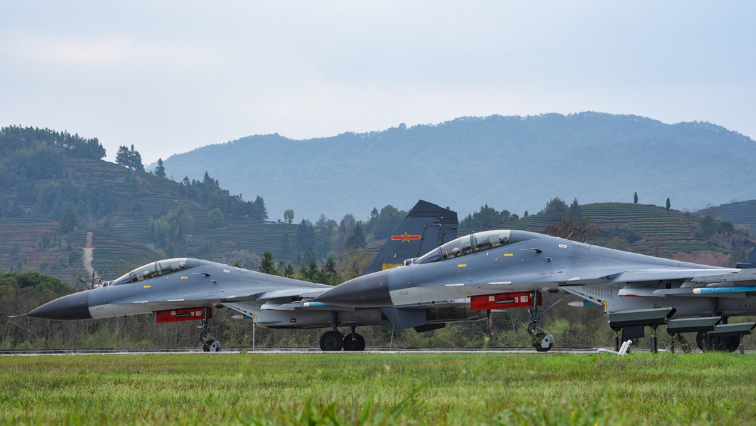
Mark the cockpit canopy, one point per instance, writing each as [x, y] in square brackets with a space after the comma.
[154, 269]
[465, 245]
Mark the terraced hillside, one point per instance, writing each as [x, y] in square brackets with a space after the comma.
[662, 232]
[127, 241]
[739, 213]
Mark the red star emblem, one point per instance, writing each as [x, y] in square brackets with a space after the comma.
[406, 237]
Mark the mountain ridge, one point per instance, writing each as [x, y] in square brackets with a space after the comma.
[516, 162]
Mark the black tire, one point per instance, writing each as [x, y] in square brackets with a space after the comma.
[537, 343]
[360, 343]
[354, 342]
[331, 341]
[350, 343]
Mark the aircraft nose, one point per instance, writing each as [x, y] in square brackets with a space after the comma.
[71, 307]
[369, 291]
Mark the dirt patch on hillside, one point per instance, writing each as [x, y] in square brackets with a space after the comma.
[704, 257]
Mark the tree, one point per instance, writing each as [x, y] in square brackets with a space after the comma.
[357, 240]
[289, 216]
[69, 220]
[267, 266]
[14, 251]
[555, 209]
[160, 170]
[575, 210]
[305, 236]
[122, 156]
[309, 256]
[328, 272]
[285, 252]
[635, 198]
[171, 226]
[525, 214]
[572, 228]
[668, 204]
[129, 158]
[215, 217]
[136, 159]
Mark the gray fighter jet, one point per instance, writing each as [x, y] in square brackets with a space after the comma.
[505, 269]
[188, 289]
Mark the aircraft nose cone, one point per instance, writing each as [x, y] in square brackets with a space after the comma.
[71, 307]
[369, 291]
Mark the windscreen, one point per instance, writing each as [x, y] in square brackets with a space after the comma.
[152, 270]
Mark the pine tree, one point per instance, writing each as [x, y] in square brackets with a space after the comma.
[160, 170]
[635, 198]
[668, 204]
[309, 256]
[357, 239]
[135, 159]
[122, 157]
[267, 265]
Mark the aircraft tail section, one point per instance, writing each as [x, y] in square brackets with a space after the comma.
[749, 261]
[426, 227]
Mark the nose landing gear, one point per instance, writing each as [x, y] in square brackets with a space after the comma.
[542, 340]
[209, 343]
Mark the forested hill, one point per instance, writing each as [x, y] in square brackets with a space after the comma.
[513, 162]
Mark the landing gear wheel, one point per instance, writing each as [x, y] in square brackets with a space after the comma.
[331, 341]
[354, 342]
[211, 345]
[542, 342]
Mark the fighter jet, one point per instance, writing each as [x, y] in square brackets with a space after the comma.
[188, 289]
[508, 269]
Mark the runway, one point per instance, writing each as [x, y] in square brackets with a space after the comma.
[314, 351]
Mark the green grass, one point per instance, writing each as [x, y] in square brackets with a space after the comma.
[379, 389]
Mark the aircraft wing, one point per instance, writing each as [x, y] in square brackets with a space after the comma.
[652, 275]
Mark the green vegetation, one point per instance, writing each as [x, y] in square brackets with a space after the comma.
[379, 389]
[130, 158]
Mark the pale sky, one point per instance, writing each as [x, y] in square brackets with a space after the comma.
[169, 77]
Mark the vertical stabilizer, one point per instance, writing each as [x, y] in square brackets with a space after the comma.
[426, 227]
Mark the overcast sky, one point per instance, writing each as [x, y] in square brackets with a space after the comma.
[170, 77]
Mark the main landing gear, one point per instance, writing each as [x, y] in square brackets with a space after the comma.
[332, 341]
[209, 343]
[542, 340]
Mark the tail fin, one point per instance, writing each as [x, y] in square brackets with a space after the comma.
[426, 227]
[749, 261]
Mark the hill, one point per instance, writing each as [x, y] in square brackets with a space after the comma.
[738, 212]
[514, 162]
[121, 214]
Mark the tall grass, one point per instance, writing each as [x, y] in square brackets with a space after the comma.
[378, 389]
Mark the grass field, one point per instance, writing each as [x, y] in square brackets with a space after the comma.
[385, 389]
